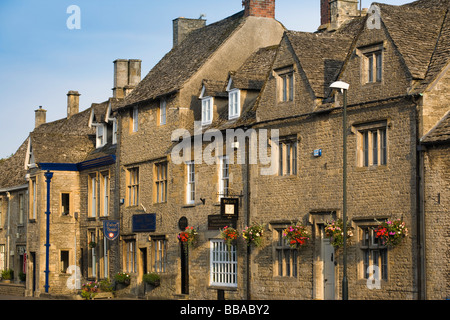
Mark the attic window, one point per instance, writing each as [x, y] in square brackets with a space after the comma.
[234, 104]
[101, 135]
[207, 109]
[285, 84]
[372, 63]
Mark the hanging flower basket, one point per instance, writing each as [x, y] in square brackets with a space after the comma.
[391, 232]
[296, 235]
[253, 235]
[230, 235]
[92, 244]
[335, 231]
[188, 237]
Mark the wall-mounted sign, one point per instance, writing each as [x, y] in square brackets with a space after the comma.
[229, 207]
[144, 222]
[318, 153]
[111, 229]
[216, 222]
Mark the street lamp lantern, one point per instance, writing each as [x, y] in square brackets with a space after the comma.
[343, 86]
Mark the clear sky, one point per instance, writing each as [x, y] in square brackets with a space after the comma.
[42, 59]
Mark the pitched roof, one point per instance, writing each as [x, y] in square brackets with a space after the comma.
[177, 66]
[12, 169]
[440, 133]
[321, 56]
[63, 141]
[414, 30]
[253, 72]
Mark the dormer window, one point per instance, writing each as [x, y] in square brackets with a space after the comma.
[372, 63]
[207, 110]
[101, 135]
[234, 104]
[285, 84]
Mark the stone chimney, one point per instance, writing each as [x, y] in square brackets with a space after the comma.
[73, 103]
[259, 8]
[39, 117]
[127, 75]
[334, 13]
[183, 26]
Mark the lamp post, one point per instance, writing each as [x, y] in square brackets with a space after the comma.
[344, 88]
[48, 175]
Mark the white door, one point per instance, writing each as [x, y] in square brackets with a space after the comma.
[328, 257]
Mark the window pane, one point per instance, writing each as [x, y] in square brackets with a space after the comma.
[379, 65]
[374, 148]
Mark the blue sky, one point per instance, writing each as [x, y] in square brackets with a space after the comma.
[42, 59]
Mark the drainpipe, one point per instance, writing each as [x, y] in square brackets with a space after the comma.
[8, 235]
[48, 175]
[421, 266]
[247, 147]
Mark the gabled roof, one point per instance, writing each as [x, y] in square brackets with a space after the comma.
[177, 66]
[415, 31]
[321, 57]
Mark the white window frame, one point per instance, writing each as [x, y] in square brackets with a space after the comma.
[162, 112]
[101, 134]
[135, 119]
[34, 200]
[234, 104]
[114, 135]
[223, 264]
[207, 110]
[190, 182]
[224, 176]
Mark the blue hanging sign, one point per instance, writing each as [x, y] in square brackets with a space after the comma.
[111, 229]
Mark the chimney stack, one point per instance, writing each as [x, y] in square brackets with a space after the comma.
[127, 75]
[39, 117]
[259, 8]
[183, 26]
[73, 103]
[334, 13]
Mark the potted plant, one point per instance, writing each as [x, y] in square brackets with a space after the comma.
[152, 278]
[253, 235]
[7, 275]
[22, 276]
[391, 232]
[122, 278]
[89, 290]
[296, 235]
[335, 231]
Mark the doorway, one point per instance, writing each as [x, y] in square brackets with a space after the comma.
[329, 262]
[33, 271]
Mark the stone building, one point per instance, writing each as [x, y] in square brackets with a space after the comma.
[241, 111]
